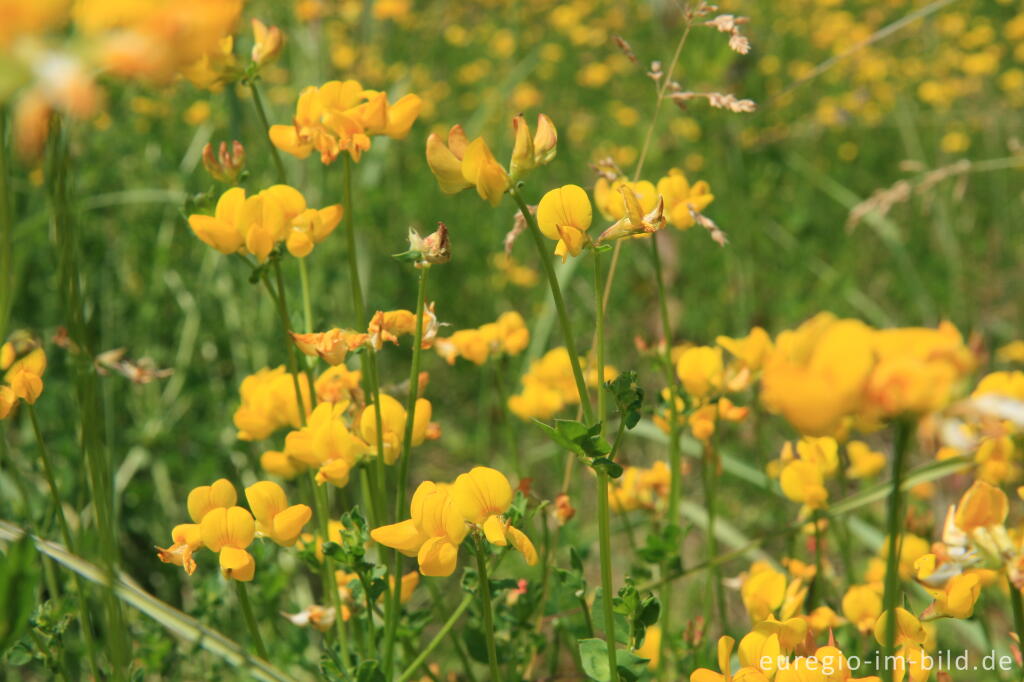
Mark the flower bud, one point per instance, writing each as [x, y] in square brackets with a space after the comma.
[523, 158]
[268, 42]
[224, 166]
[545, 141]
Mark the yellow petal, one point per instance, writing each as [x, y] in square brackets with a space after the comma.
[568, 206]
[401, 116]
[404, 536]
[286, 138]
[207, 497]
[266, 500]
[437, 557]
[288, 524]
[494, 531]
[237, 564]
[522, 543]
[480, 493]
[445, 166]
[221, 235]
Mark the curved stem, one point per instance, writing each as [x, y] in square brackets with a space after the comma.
[395, 596]
[257, 99]
[895, 515]
[486, 607]
[556, 294]
[250, 620]
[414, 666]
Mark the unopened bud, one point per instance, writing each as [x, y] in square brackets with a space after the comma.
[268, 41]
[224, 166]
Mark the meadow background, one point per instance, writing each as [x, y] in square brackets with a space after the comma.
[851, 96]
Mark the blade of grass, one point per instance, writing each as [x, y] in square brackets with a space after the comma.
[178, 623]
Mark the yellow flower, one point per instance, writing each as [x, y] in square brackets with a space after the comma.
[635, 222]
[269, 403]
[229, 531]
[1011, 352]
[803, 482]
[441, 516]
[393, 417]
[530, 152]
[274, 518]
[7, 401]
[864, 462]
[267, 42]
[340, 116]
[917, 369]
[862, 605]
[548, 386]
[255, 224]
[432, 534]
[751, 350]
[982, 506]
[608, 196]
[744, 674]
[680, 197]
[326, 444]
[700, 370]
[187, 537]
[909, 631]
[338, 384]
[564, 215]
[816, 374]
[461, 164]
[508, 335]
[763, 590]
[651, 648]
[956, 599]
[331, 346]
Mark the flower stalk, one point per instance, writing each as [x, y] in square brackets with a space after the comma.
[890, 598]
[250, 619]
[484, 584]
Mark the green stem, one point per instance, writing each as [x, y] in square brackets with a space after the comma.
[250, 619]
[890, 598]
[414, 666]
[96, 454]
[286, 328]
[65, 532]
[507, 427]
[674, 456]
[556, 294]
[603, 519]
[486, 607]
[327, 581]
[307, 304]
[710, 494]
[1018, 615]
[358, 304]
[395, 605]
[257, 99]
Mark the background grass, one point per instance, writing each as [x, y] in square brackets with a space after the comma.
[785, 179]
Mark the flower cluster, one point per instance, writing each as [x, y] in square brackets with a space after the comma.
[340, 117]
[548, 386]
[256, 224]
[442, 515]
[507, 335]
[461, 163]
[227, 529]
[23, 363]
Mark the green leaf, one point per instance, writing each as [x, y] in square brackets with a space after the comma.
[613, 469]
[629, 397]
[594, 657]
